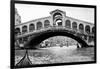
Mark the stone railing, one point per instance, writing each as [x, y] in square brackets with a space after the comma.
[50, 28]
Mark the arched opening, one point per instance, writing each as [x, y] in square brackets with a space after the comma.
[58, 41]
[17, 31]
[81, 28]
[68, 23]
[31, 27]
[46, 23]
[24, 29]
[34, 41]
[57, 18]
[93, 30]
[39, 25]
[74, 26]
[87, 29]
[59, 22]
[57, 15]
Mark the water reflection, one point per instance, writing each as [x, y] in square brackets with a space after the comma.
[59, 55]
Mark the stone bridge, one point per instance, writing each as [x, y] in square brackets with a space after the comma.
[33, 32]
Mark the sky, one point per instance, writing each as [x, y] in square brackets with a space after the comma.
[31, 12]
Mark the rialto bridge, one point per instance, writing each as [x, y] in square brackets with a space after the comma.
[33, 32]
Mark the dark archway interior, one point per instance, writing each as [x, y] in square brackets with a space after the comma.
[47, 34]
[56, 14]
[59, 22]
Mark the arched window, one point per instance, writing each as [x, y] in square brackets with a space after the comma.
[87, 29]
[39, 25]
[31, 27]
[24, 29]
[46, 23]
[81, 28]
[74, 26]
[17, 31]
[68, 24]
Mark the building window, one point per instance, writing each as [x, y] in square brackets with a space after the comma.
[24, 29]
[39, 25]
[46, 23]
[31, 27]
[87, 29]
[68, 23]
[81, 28]
[74, 26]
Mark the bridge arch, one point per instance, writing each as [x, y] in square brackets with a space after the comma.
[81, 27]
[31, 27]
[24, 29]
[39, 25]
[57, 18]
[46, 23]
[17, 31]
[58, 22]
[74, 25]
[57, 14]
[87, 29]
[68, 23]
[35, 40]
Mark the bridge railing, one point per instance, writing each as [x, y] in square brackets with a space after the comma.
[44, 29]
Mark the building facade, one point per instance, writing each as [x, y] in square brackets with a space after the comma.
[17, 17]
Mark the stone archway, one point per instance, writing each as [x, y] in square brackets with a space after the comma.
[68, 24]
[39, 25]
[74, 25]
[46, 23]
[24, 29]
[17, 31]
[31, 27]
[58, 22]
[35, 40]
[81, 28]
[87, 29]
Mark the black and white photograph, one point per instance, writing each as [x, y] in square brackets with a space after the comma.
[53, 34]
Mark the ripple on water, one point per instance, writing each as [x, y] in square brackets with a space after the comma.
[59, 55]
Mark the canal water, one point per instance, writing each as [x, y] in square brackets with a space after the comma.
[57, 55]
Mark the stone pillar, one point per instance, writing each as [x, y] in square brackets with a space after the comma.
[21, 29]
[63, 24]
[27, 28]
[35, 26]
[42, 24]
